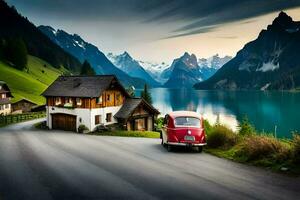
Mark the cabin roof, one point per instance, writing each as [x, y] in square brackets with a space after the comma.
[5, 89]
[82, 86]
[130, 105]
[26, 100]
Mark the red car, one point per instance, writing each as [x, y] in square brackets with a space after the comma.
[183, 128]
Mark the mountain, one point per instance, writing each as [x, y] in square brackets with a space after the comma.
[184, 72]
[155, 69]
[76, 46]
[211, 65]
[269, 62]
[187, 70]
[13, 26]
[132, 67]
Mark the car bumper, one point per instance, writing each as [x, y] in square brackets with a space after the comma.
[186, 144]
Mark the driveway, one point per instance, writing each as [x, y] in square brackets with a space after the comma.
[64, 165]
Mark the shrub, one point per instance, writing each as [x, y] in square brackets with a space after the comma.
[42, 125]
[82, 128]
[296, 148]
[207, 127]
[221, 136]
[246, 128]
[257, 147]
[159, 122]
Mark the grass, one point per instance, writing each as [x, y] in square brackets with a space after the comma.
[144, 134]
[255, 149]
[29, 83]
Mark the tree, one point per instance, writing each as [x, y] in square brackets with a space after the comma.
[87, 69]
[15, 51]
[146, 95]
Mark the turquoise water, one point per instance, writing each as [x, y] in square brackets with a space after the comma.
[265, 109]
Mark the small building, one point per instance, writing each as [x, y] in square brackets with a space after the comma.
[5, 97]
[22, 106]
[93, 101]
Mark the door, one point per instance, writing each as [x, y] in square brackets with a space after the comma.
[64, 122]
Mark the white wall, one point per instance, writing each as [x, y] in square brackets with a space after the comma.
[103, 112]
[87, 116]
[5, 111]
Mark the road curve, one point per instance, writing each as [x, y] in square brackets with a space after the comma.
[64, 165]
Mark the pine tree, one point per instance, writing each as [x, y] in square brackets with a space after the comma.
[87, 69]
[146, 95]
[15, 51]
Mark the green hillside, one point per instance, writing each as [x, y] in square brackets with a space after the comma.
[32, 82]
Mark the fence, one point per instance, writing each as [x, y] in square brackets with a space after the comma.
[10, 119]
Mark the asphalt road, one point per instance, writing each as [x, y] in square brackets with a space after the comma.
[64, 165]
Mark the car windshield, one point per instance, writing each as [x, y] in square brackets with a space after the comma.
[187, 121]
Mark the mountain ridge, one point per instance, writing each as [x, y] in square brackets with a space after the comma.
[83, 50]
[132, 67]
[267, 63]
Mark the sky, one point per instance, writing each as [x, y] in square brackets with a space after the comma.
[160, 30]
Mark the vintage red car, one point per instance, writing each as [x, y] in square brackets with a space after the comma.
[183, 128]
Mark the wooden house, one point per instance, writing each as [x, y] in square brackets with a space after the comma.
[22, 106]
[5, 97]
[95, 100]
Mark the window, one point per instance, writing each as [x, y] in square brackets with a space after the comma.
[187, 121]
[1, 107]
[108, 97]
[69, 100]
[6, 106]
[3, 96]
[78, 101]
[99, 100]
[97, 119]
[57, 101]
[108, 117]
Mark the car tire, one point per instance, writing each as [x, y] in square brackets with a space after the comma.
[169, 148]
[200, 149]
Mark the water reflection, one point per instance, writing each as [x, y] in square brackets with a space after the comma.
[264, 109]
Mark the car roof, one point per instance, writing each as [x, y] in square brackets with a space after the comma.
[175, 114]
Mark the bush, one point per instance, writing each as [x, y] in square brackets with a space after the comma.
[296, 148]
[207, 127]
[221, 136]
[159, 122]
[246, 128]
[258, 147]
[42, 125]
[82, 129]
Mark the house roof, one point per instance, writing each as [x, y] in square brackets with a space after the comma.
[5, 89]
[130, 105]
[81, 86]
[24, 100]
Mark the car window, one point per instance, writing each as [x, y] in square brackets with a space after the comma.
[187, 121]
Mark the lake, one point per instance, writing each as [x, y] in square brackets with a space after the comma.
[264, 109]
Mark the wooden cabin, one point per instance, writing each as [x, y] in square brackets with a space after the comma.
[22, 106]
[93, 101]
[5, 97]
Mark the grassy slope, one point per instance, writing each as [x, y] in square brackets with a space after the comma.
[32, 83]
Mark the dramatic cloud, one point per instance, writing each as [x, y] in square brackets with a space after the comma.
[143, 27]
[203, 13]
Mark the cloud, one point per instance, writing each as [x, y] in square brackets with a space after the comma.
[192, 16]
